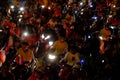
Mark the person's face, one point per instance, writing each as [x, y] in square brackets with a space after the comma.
[73, 51]
[106, 28]
[25, 47]
[62, 39]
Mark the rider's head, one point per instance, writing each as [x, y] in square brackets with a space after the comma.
[25, 45]
[73, 49]
[61, 38]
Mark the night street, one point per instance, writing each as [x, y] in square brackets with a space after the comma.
[59, 39]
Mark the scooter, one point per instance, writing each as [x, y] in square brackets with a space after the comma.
[68, 72]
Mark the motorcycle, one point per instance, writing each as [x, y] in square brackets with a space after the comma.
[45, 69]
[22, 72]
[68, 72]
[52, 67]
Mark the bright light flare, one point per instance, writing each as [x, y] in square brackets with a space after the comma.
[82, 61]
[114, 6]
[90, 55]
[21, 15]
[72, 27]
[81, 3]
[100, 37]
[21, 8]
[81, 13]
[19, 19]
[94, 17]
[42, 36]
[43, 6]
[25, 34]
[89, 36]
[91, 5]
[12, 6]
[50, 43]
[110, 16]
[76, 11]
[49, 8]
[51, 56]
[47, 37]
[103, 61]
[82, 9]
[1, 30]
[112, 27]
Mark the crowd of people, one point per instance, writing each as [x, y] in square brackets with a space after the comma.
[80, 27]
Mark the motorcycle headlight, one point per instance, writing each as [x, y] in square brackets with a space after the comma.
[50, 43]
[43, 6]
[25, 34]
[12, 6]
[47, 37]
[100, 37]
[21, 8]
[51, 57]
[1, 30]
[42, 36]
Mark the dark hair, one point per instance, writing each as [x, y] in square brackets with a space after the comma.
[25, 43]
[72, 47]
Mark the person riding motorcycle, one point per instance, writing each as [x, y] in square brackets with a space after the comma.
[24, 59]
[69, 63]
[60, 47]
[72, 57]
[24, 54]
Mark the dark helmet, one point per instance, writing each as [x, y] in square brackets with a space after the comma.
[25, 43]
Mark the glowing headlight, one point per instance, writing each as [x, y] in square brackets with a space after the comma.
[12, 6]
[21, 8]
[82, 9]
[101, 38]
[114, 6]
[51, 56]
[81, 13]
[49, 8]
[47, 37]
[112, 27]
[90, 54]
[19, 19]
[94, 17]
[88, 36]
[43, 6]
[81, 3]
[1, 30]
[103, 61]
[110, 16]
[43, 36]
[50, 43]
[25, 34]
[21, 15]
[91, 5]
